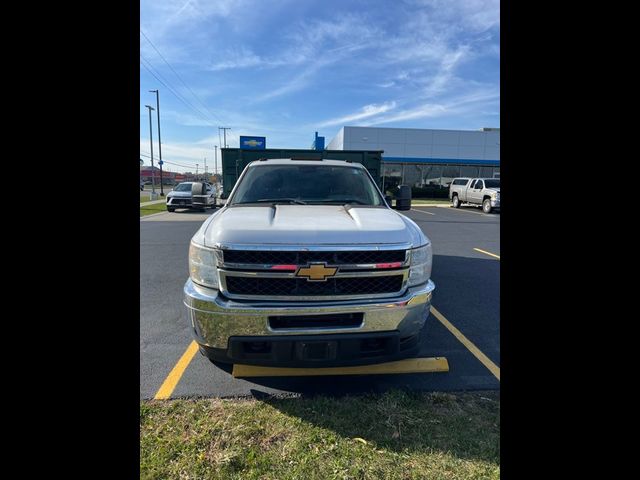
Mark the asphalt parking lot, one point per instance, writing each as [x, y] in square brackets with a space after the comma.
[465, 329]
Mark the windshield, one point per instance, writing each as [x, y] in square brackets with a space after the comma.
[492, 183]
[307, 184]
[182, 187]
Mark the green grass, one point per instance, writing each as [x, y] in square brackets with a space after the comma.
[151, 209]
[393, 435]
[147, 198]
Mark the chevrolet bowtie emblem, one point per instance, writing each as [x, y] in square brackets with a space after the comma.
[316, 272]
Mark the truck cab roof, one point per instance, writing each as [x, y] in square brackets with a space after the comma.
[306, 161]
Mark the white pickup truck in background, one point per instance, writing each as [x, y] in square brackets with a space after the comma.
[484, 192]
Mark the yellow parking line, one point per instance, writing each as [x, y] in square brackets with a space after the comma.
[493, 368]
[487, 253]
[409, 365]
[170, 383]
[429, 213]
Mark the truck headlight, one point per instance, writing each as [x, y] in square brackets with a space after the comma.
[202, 265]
[421, 261]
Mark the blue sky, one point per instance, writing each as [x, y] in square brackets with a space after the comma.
[284, 69]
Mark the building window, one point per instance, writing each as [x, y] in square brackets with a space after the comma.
[469, 171]
[412, 175]
[392, 176]
[449, 172]
[486, 172]
[431, 174]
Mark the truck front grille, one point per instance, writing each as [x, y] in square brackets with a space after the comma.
[248, 257]
[292, 287]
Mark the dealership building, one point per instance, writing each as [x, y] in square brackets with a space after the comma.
[426, 158]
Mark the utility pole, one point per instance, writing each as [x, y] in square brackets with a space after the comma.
[196, 172]
[215, 160]
[157, 92]
[205, 170]
[224, 130]
[153, 176]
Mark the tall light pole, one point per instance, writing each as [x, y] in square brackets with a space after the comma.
[205, 170]
[153, 176]
[196, 172]
[159, 139]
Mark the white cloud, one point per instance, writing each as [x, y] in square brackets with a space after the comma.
[441, 81]
[472, 15]
[427, 110]
[298, 82]
[460, 105]
[365, 112]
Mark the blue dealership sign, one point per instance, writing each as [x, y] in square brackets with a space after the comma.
[253, 143]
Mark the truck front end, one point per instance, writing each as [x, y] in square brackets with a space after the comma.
[307, 266]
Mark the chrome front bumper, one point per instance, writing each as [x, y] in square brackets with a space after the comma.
[183, 202]
[215, 318]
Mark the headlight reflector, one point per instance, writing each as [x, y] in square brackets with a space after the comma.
[421, 261]
[202, 266]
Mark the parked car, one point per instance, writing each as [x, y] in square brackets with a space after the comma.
[484, 192]
[182, 197]
[306, 266]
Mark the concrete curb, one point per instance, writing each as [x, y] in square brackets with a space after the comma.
[153, 215]
[154, 202]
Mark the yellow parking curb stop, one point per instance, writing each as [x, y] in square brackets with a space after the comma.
[409, 365]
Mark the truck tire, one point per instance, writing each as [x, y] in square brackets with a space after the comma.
[455, 201]
[486, 205]
[171, 209]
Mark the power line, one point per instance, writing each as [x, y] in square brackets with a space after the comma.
[179, 77]
[177, 95]
[171, 163]
[167, 84]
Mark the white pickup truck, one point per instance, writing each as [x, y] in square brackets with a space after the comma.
[182, 196]
[307, 265]
[484, 192]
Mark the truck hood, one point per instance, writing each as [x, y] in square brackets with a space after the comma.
[308, 225]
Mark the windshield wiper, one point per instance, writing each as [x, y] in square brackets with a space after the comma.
[278, 200]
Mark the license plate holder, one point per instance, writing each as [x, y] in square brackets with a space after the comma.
[316, 350]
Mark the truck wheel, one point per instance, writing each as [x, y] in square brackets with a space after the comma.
[171, 209]
[456, 201]
[486, 205]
